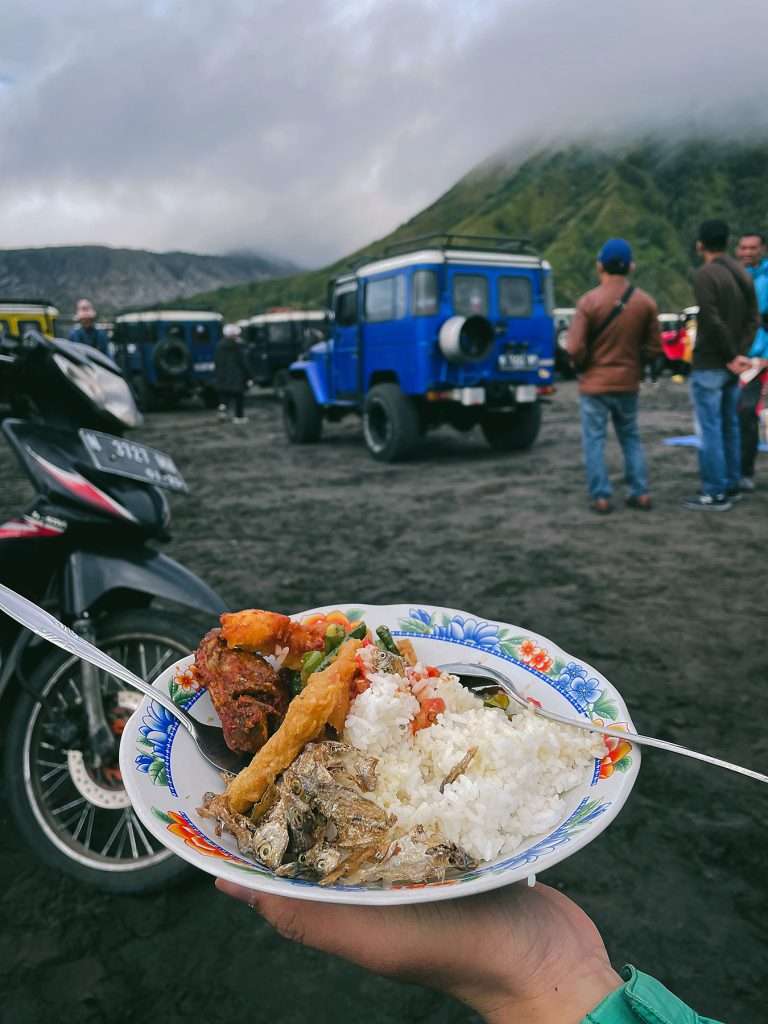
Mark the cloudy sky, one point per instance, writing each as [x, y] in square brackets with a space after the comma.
[308, 127]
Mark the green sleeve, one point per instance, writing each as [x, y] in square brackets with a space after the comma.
[643, 1000]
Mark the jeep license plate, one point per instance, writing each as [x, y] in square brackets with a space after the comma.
[136, 461]
[518, 361]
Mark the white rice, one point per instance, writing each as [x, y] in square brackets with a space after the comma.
[514, 786]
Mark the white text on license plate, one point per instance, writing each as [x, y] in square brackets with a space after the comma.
[518, 361]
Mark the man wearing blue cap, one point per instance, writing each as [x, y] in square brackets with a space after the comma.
[614, 333]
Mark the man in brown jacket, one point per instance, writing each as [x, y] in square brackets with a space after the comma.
[614, 333]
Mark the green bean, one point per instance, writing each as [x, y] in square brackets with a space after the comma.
[316, 660]
[310, 663]
[294, 682]
[334, 634]
[387, 641]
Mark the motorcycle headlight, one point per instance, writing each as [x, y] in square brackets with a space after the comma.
[106, 390]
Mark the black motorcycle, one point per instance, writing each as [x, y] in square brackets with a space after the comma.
[82, 551]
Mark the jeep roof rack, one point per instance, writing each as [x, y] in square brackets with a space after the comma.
[481, 243]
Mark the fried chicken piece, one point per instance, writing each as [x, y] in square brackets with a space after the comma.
[306, 716]
[266, 632]
[250, 698]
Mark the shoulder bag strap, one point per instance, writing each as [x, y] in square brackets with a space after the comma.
[617, 309]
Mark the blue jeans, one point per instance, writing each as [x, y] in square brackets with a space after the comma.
[622, 409]
[715, 397]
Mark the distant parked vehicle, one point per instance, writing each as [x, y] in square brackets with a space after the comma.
[167, 355]
[20, 315]
[563, 316]
[17, 316]
[678, 337]
[449, 329]
[277, 338]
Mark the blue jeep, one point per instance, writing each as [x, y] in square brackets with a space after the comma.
[443, 329]
[167, 355]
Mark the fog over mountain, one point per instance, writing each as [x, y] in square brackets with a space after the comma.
[567, 201]
[308, 127]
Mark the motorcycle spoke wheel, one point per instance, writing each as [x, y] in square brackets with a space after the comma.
[81, 805]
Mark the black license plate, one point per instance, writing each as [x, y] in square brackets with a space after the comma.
[136, 461]
[518, 361]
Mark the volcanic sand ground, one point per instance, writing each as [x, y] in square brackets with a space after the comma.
[669, 605]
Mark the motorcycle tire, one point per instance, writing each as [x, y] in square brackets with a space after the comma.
[76, 815]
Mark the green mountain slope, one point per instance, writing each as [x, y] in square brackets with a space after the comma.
[568, 202]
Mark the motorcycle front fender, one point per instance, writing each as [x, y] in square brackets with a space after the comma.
[90, 576]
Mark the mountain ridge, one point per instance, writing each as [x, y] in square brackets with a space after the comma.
[116, 278]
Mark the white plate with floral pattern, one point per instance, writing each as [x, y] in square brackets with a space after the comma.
[166, 777]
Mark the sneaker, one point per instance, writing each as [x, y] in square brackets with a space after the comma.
[601, 506]
[239, 419]
[641, 501]
[746, 483]
[709, 502]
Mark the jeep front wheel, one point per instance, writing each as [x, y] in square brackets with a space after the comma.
[512, 431]
[390, 423]
[302, 416]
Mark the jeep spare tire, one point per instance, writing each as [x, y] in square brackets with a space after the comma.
[172, 358]
[512, 431]
[302, 416]
[390, 423]
[466, 339]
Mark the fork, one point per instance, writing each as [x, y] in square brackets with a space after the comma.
[209, 739]
[503, 682]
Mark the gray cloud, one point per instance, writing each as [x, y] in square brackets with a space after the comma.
[308, 127]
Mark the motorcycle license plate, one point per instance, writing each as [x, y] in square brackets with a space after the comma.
[128, 458]
[518, 361]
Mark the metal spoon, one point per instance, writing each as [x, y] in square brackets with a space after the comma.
[503, 682]
[209, 739]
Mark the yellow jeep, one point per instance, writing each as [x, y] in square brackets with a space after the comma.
[19, 315]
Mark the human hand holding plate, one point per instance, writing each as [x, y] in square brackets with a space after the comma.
[514, 954]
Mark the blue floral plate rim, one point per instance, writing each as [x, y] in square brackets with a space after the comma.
[152, 743]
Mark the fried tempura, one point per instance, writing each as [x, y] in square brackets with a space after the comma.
[307, 714]
[266, 632]
[407, 650]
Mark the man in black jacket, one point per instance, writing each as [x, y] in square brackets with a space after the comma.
[232, 373]
[727, 323]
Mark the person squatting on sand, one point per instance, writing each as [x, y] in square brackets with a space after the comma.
[232, 375]
[614, 334]
[518, 955]
[727, 323]
[751, 253]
